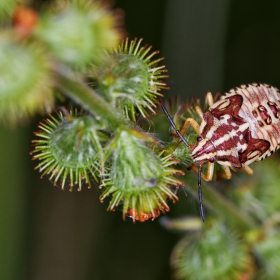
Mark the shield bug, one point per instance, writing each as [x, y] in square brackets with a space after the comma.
[242, 127]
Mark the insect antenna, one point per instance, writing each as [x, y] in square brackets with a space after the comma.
[200, 199]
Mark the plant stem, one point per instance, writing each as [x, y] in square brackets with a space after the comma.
[222, 206]
[75, 88]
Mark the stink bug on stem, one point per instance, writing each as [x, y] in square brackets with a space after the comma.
[242, 127]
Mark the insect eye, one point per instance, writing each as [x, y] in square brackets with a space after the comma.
[199, 138]
[211, 160]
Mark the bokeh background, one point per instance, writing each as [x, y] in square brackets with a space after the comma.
[49, 234]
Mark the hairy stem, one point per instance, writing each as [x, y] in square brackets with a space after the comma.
[76, 89]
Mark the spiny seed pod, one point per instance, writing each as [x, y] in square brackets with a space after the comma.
[79, 31]
[26, 80]
[130, 79]
[199, 256]
[69, 149]
[139, 179]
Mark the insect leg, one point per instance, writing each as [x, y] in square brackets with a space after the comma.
[193, 123]
[227, 174]
[248, 169]
[209, 99]
[199, 112]
[209, 174]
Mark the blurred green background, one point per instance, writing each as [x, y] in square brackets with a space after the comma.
[47, 233]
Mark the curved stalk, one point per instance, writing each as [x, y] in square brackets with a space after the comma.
[221, 206]
[76, 89]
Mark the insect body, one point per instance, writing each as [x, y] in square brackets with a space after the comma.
[241, 128]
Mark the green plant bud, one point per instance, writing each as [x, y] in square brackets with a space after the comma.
[139, 179]
[130, 79]
[79, 31]
[25, 80]
[181, 152]
[216, 253]
[69, 149]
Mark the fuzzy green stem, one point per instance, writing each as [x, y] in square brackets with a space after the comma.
[222, 207]
[77, 90]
